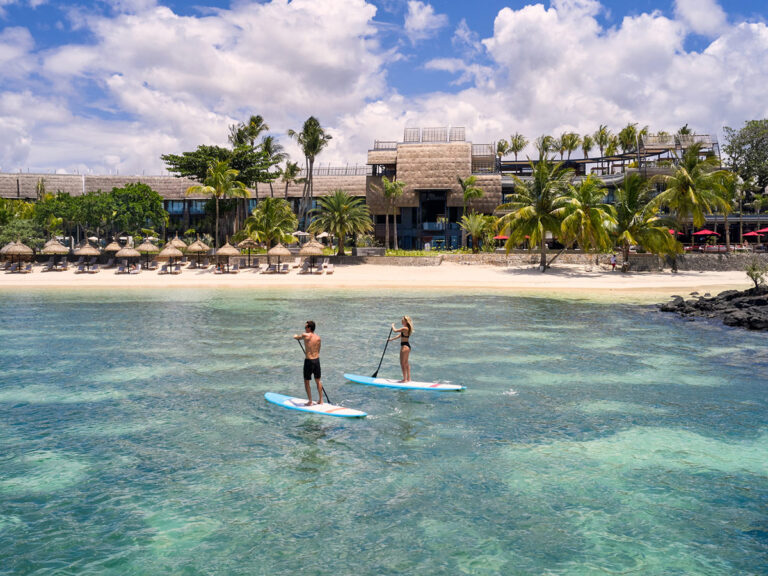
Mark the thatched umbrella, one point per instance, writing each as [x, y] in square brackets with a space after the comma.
[5, 248]
[179, 243]
[128, 252]
[147, 248]
[113, 246]
[54, 248]
[169, 252]
[198, 247]
[87, 251]
[18, 252]
[248, 244]
[313, 248]
[227, 251]
[279, 251]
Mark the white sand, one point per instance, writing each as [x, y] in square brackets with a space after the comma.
[562, 280]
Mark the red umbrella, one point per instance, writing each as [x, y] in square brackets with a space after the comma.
[752, 234]
[705, 232]
[762, 231]
[501, 237]
[673, 232]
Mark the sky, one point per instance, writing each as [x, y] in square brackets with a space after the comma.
[107, 86]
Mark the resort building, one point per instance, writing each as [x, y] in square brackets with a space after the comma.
[430, 161]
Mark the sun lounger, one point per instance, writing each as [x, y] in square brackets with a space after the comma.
[27, 269]
[13, 268]
[80, 269]
[48, 267]
[270, 269]
[296, 263]
[163, 269]
[80, 261]
[136, 270]
[285, 268]
[94, 269]
[176, 269]
[319, 269]
[110, 263]
[304, 267]
[329, 268]
[235, 269]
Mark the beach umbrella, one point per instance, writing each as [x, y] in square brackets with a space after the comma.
[300, 234]
[147, 248]
[128, 252]
[113, 247]
[179, 243]
[169, 252]
[18, 252]
[279, 251]
[227, 251]
[87, 251]
[5, 248]
[54, 248]
[752, 234]
[248, 244]
[706, 232]
[673, 232]
[501, 237]
[198, 247]
[313, 248]
[762, 230]
[322, 235]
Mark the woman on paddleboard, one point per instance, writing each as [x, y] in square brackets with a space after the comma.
[404, 334]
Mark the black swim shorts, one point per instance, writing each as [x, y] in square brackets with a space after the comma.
[311, 367]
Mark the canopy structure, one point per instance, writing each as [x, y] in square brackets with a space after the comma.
[113, 247]
[87, 251]
[170, 252]
[501, 237]
[55, 248]
[227, 251]
[128, 252]
[178, 242]
[17, 252]
[279, 251]
[706, 232]
[198, 247]
[673, 232]
[762, 230]
[248, 244]
[752, 234]
[147, 248]
[313, 248]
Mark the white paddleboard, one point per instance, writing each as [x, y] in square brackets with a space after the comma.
[389, 383]
[301, 404]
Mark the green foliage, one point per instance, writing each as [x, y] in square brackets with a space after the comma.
[11, 209]
[137, 206]
[312, 140]
[27, 231]
[413, 253]
[587, 219]
[393, 190]
[341, 215]
[469, 190]
[747, 151]
[252, 164]
[480, 227]
[756, 272]
[220, 182]
[517, 143]
[587, 143]
[272, 221]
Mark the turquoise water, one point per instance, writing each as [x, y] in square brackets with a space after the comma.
[593, 439]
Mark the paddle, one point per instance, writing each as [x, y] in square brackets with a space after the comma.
[382, 355]
[324, 392]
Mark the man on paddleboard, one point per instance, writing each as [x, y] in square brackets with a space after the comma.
[311, 359]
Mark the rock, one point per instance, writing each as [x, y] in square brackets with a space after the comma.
[744, 309]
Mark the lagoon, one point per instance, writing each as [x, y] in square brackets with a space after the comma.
[594, 437]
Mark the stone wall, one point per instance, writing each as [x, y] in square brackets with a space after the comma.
[388, 260]
[716, 262]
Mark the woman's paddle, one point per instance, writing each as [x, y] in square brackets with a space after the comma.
[382, 355]
[324, 392]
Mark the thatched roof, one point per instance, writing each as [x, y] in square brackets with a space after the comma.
[198, 246]
[311, 248]
[18, 249]
[170, 251]
[147, 247]
[54, 247]
[248, 243]
[5, 248]
[127, 253]
[178, 242]
[87, 250]
[227, 250]
[278, 250]
[112, 247]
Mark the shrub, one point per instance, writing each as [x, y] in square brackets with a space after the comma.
[756, 272]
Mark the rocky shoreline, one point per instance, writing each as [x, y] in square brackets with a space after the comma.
[743, 309]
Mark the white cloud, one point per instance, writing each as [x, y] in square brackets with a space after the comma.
[421, 21]
[480, 75]
[466, 38]
[701, 16]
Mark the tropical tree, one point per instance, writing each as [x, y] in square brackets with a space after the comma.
[469, 192]
[569, 142]
[747, 151]
[544, 145]
[290, 174]
[271, 222]
[726, 187]
[393, 190]
[587, 143]
[587, 219]
[517, 144]
[474, 225]
[502, 148]
[246, 133]
[628, 138]
[274, 153]
[220, 182]
[535, 207]
[312, 140]
[690, 192]
[758, 204]
[638, 222]
[341, 215]
[602, 138]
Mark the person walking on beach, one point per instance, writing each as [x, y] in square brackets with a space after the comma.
[613, 262]
[404, 335]
[311, 360]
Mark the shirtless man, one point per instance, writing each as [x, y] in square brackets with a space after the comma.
[311, 360]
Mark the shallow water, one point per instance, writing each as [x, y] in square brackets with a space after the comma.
[593, 438]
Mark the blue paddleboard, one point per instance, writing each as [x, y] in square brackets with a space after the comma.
[389, 383]
[323, 409]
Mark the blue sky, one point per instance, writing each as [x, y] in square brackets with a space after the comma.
[109, 85]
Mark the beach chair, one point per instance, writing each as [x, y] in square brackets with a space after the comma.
[27, 269]
[285, 268]
[110, 263]
[49, 262]
[326, 261]
[319, 269]
[296, 263]
[270, 269]
[49, 266]
[80, 261]
[94, 269]
[304, 267]
[64, 266]
[136, 270]
[176, 269]
[329, 268]
[163, 269]
[13, 268]
[93, 261]
[80, 269]
[235, 269]
[154, 265]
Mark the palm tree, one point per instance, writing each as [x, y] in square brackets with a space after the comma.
[569, 142]
[587, 219]
[247, 133]
[312, 140]
[726, 186]
[628, 138]
[341, 215]
[393, 190]
[690, 190]
[274, 153]
[220, 182]
[502, 148]
[517, 144]
[474, 225]
[638, 222]
[271, 222]
[602, 138]
[544, 144]
[587, 143]
[536, 206]
[469, 191]
[290, 174]
[758, 204]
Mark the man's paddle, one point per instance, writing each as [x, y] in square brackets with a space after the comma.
[382, 355]
[324, 392]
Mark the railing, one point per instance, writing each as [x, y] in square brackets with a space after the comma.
[433, 226]
[384, 145]
[434, 134]
[339, 171]
[456, 134]
[483, 150]
[412, 135]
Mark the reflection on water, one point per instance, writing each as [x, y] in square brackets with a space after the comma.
[593, 438]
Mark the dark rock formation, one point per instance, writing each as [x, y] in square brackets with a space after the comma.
[747, 309]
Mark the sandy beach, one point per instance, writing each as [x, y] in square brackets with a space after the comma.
[563, 280]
